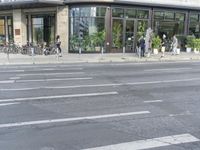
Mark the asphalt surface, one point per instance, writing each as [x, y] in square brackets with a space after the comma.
[103, 106]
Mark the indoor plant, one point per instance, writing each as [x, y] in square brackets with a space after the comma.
[156, 44]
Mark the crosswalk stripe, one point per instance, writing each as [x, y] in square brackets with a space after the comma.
[150, 143]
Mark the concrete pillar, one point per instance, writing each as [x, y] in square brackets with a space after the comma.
[62, 26]
[19, 27]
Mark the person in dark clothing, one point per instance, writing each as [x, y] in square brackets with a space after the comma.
[142, 45]
[58, 43]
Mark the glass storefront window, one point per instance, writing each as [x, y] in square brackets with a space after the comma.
[172, 23]
[159, 15]
[180, 17]
[194, 17]
[194, 26]
[75, 12]
[43, 29]
[87, 32]
[2, 31]
[117, 34]
[3, 35]
[169, 15]
[10, 29]
[130, 13]
[38, 30]
[118, 12]
[143, 14]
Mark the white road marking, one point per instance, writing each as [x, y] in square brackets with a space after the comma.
[47, 80]
[11, 71]
[58, 96]
[167, 69]
[7, 104]
[20, 89]
[7, 81]
[18, 124]
[150, 143]
[103, 85]
[154, 101]
[14, 78]
[48, 74]
[52, 69]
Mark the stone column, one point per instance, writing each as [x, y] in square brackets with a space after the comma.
[19, 27]
[62, 26]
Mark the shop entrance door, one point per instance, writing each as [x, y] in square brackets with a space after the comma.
[126, 33]
[129, 36]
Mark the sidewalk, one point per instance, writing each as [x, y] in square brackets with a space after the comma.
[86, 58]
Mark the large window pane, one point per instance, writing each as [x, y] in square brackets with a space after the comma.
[159, 15]
[43, 29]
[118, 12]
[143, 14]
[117, 35]
[87, 33]
[2, 31]
[169, 15]
[194, 17]
[180, 17]
[10, 29]
[130, 13]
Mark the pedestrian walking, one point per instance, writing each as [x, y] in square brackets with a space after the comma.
[142, 45]
[58, 43]
[174, 45]
[164, 44]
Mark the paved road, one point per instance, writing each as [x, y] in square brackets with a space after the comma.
[109, 106]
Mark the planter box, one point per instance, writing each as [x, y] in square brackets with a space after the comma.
[155, 51]
[163, 49]
[196, 51]
[188, 50]
[178, 51]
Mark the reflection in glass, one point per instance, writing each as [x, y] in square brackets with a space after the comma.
[117, 35]
[130, 13]
[87, 31]
[118, 12]
[143, 14]
[129, 39]
[172, 23]
[10, 29]
[43, 29]
[2, 31]
[194, 27]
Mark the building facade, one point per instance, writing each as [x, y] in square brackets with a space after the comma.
[91, 26]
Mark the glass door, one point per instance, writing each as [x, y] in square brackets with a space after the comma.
[117, 35]
[129, 36]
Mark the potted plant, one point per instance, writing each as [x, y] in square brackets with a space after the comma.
[189, 43]
[156, 44]
[98, 40]
[196, 45]
[117, 35]
[74, 43]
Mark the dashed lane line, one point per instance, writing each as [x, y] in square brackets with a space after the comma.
[58, 97]
[153, 101]
[47, 80]
[101, 85]
[20, 124]
[8, 104]
[48, 74]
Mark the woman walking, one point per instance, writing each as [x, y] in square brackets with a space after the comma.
[58, 43]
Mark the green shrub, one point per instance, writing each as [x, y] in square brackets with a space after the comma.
[189, 41]
[156, 42]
